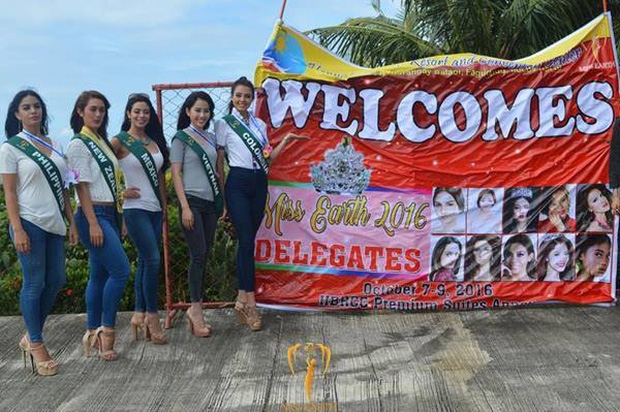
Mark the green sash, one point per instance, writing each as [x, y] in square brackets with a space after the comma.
[104, 163]
[218, 199]
[250, 140]
[145, 159]
[48, 167]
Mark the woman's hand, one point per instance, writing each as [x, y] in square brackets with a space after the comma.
[187, 219]
[294, 136]
[96, 235]
[73, 234]
[556, 221]
[132, 193]
[224, 214]
[21, 240]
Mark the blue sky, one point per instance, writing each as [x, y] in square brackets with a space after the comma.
[62, 47]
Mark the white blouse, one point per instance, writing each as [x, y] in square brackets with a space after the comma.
[35, 197]
[89, 171]
[238, 153]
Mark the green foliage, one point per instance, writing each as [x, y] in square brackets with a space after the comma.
[508, 29]
[220, 284]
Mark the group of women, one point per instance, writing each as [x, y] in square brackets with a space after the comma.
[37, 175]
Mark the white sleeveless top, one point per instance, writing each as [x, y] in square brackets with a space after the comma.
[135, 176]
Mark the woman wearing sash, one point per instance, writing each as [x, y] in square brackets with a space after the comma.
[243, 139]
[143, 156]
[193, 157]
[97, 219]
[34, 171]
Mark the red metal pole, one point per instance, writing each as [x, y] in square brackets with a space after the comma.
[604, 6]
[282, 9]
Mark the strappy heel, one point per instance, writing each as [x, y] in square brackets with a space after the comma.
[197, 327]
[254, 320]
[242, 317]
[88, 343]
[105, 354]
[153, 331]
[137, 325]
[43, 368]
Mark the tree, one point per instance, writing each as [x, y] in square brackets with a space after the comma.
[508, 29]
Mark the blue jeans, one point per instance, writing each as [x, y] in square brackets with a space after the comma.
[108, 267]
[145, 229]
[44, 272]
[246, 195]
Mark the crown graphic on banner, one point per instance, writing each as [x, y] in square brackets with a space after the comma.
[521, 192]
[342, 171]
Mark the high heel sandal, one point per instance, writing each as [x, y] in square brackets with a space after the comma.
[137, 324]
[153, 332]
[43, 368]
[108, 354]
[242, 317]
[195, 327]
[253, 318]
[88, 343]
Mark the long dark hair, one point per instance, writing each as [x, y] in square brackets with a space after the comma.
[472, 267]
[584, 215]
[153, 128]
[183, 120]
[12, 126]
[438, 251]
[82, 101]
[585, 242]
[547, 245]
[241, 81]
[526, 242]
[512, 195]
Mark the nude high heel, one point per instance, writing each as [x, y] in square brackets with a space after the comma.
[105, 354]
[137, 325]
[153, 331]
[197, 327]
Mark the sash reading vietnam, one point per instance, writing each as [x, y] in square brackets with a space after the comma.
[456, 182]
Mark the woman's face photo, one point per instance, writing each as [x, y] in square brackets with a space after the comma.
[482, 252]
[242, 98]
[597, 203]
[560, 204]
[200, 113]
[519, 258]
[29, 111]
[139, 114]
[93, 114]
[486, 203]
[595, 260]
[450, 256]
[446, 206]
[559, 257]
[521, 209]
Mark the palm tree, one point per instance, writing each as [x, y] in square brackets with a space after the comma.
[508, 29]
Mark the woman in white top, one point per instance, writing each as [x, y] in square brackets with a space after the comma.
[97, 218]
[143, 156]
[34, 170]
[243, 140]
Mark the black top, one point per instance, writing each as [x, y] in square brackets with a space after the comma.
[614, 156]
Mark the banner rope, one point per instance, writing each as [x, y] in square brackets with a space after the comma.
[282, 9]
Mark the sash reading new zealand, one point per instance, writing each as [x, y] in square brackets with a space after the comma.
[48, 167]
[105, 164]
